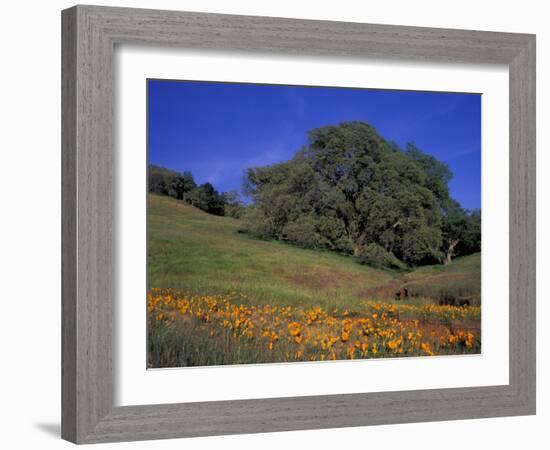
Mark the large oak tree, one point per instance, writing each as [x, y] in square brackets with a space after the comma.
[351, 191]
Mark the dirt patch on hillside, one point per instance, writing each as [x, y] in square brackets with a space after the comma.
[385, 292]
[320, 279]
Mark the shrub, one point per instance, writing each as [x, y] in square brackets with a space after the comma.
[302, 232]
[376, 256]
[255, 222]
[332, 234]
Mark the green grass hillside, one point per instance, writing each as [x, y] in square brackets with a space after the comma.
[461, 278]
[199, 253]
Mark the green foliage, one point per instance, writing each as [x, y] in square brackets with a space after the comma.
[376, 256]
[233, 206]
[166, 182]
[461, 231]
[256, 223]
[348, 189]
[302, 232]
[205, 197]
[182, 186]
[437, 173]
[332, 234]
[421, 244]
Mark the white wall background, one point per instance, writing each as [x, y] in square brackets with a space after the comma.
[31, 208]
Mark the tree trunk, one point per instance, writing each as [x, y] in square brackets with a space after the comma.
[450, 251]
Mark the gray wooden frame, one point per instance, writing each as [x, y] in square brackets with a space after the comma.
[89, 36]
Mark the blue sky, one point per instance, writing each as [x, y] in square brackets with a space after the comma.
[216, 130]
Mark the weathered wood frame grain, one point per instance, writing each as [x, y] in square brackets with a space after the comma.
[89, 37]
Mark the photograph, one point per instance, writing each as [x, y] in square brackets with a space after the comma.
[294, 224]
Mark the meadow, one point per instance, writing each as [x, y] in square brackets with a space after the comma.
[217, 296]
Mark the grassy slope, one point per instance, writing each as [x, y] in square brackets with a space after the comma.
[462, 278]
[196, 252]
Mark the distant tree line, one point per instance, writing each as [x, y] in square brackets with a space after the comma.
[182, 186]
[350, 191]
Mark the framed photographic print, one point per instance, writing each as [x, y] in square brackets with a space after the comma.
[332, 243]
[335, 219]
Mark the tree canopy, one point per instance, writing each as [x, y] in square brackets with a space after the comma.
[182, 186]
[351, 191]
